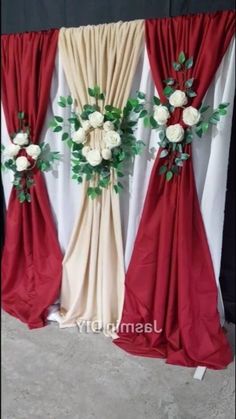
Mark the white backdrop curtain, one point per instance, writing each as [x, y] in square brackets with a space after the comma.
[210, 164]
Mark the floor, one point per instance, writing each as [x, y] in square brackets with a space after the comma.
[61, 374]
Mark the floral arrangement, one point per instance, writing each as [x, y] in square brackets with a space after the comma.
[97, 158]
[173, 138]
[23, 158]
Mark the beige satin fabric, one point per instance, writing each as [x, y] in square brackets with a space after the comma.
[93, 267]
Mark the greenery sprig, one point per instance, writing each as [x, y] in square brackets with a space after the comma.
[23, 158]
[117, 140]
[192, 122]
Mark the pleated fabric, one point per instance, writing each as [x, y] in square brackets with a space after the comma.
[93, 267]
[170, 281]
[31, 261]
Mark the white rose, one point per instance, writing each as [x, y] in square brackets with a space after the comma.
[108, 126]
[175, 133]
[22, 163]
[86, 125]
[191, 116]
[94, 157]
[85, 150]
[11, 150]
[161, 114]
[106, 153]
[21, 138]
[79, 136]
[96, 119]
[112, 139]
[178, 99]
[33, 151]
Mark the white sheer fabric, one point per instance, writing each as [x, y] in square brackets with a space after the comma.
[210, 164]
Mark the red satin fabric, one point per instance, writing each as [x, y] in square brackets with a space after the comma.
[32, 259]
[170, 281]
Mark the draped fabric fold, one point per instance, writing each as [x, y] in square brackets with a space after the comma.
[170, 282]
[93, 267]
[31, 263]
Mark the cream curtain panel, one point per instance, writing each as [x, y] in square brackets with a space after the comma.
[93, 267]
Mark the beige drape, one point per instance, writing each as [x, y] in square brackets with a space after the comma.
[93, 267]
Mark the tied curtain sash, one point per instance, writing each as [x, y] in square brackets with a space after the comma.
[93, 267]
[31, 263]
[170, 282]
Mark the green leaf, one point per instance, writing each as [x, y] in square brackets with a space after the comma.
[198, 131]
[62, 99]
[164, 153]
[216, 116]
[28, 197]
[58, 118]
[223, 105]
[191, 93]
[141, 95]
[168, 91]
[21, 115]
[169, 175]
[184, 156]
[176, 66]
[222, 112]
[189, 63]
[61, 104]
[143, 113]
[162, 170]
[153, 122]
[170, 81]
[204, 127]
[204, 109]
[91, 92]
[58, 128]
[97, 90]
[69, 100]
[156, 100]
[108, 108]
[175, 170]
[181, 57]
[65, 136]
[189, 138]
[22, 197]
[189, 82]
[179, 162]
[101, 96]
[161, 135]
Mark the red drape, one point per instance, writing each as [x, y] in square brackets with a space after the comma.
[170, 281]
[31, 263]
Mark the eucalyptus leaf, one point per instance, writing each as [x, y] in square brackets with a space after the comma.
[65, 136]
[156, 100]
[58, 128]
[168, 91]
[176, 66]
[189, 82]
[204, 109]
[170, 81]
[58, 118]
[143, 113]
[164, 153]
[181, 57]
[191, 93]
[162, 170]
[69, 100]
[189, 63]
[169, 175]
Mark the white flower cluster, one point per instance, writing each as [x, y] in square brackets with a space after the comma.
[20, 141]
[111, 138]
[190, 116]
